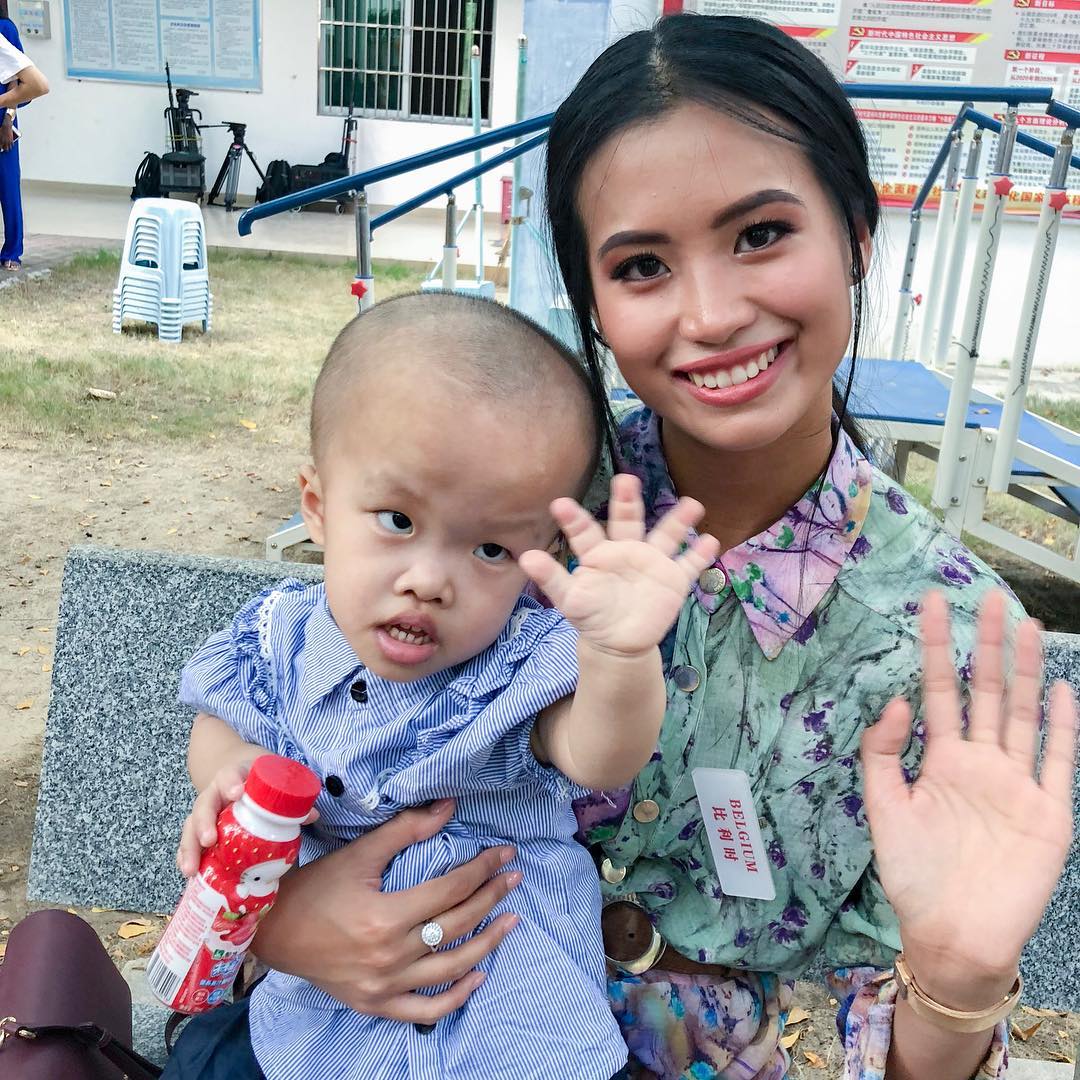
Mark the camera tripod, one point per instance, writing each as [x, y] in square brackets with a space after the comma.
[229, 173]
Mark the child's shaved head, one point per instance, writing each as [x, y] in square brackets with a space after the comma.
[461, 343]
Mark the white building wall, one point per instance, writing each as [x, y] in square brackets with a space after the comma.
[95, 132]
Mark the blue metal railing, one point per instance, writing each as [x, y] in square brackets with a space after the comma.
[1012, 96]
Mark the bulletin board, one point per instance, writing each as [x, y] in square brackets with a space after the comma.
[212, 44]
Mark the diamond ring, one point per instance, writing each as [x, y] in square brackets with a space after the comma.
[431, 934]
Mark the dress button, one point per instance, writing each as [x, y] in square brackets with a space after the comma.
[370, 801]
[611, 873]
[686, 678]
[334, 786]
[358, 691]
[646, 811]
[712, 580]
[424, 1029]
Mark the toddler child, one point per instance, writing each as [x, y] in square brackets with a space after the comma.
[450, 439]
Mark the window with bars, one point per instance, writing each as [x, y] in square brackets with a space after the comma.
[405, 59]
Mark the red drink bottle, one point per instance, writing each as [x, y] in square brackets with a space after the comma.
[258, 839]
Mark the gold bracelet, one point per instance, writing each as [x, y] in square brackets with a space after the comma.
[925, 1007]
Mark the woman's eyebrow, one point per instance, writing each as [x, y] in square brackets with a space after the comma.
[745, 205]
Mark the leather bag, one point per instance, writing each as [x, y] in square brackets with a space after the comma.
[65, 1011]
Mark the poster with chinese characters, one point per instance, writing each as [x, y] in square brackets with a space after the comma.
[207, 43]
[1033, 43]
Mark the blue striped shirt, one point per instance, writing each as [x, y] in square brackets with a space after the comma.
[284, 677]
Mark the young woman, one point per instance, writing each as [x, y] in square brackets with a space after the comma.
[713, 217]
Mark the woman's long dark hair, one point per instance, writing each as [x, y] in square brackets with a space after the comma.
[3, 9]
[746, 69]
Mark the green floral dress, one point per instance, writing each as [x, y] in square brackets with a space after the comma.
[787, 649]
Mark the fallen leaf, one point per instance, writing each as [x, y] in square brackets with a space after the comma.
[1057, 1055]
[15, 868]
[46, 668]
[100, 395]
[1025, 1033]
[134, 928]
[99, 910]
[273, 487]
[105, 483]
[24, 650]
[788, 1041]
[1032, 1011]
[249, 424]
[3, 949]
[43, 650]
[146, 502]
[797, 1015]
[43, 630]
[815, 1061]
[35, 496]
[25, 704]
[170, 532]
[21, 783]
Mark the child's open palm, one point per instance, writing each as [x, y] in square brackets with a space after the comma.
[628, 586]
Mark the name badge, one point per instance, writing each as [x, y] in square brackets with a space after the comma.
[727, 809]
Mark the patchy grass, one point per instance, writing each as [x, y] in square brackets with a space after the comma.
[274, 318]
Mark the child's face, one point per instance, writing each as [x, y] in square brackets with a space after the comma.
[730, 258]
[423, 505]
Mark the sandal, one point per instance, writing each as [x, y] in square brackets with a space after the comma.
[11, 264]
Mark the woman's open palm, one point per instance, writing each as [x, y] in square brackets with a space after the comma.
[970, 853]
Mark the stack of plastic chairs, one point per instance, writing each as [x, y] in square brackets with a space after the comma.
[163, 275]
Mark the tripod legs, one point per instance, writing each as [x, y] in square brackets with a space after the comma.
[229, 175]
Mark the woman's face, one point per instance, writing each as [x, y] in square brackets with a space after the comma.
[721, 277]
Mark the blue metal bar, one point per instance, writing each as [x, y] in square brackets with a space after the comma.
[939, 161]
[1022, 138]
[456, 181]
[1060, 111]
[360, 181]
[1010, 95]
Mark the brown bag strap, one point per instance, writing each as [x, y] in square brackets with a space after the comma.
[89, 1035]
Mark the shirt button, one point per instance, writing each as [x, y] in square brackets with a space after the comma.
[334, 785]
[712, 580]
[611, 873]
[646, 811]
[370, 801]
[358, 691]
[424, 1029]
[686, 678]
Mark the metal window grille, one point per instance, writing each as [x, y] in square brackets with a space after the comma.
[405, 59]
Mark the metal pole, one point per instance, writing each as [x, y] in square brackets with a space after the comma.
[364, 285]
[449, 256]
[945, 221]
[1042, 259]
[906, 307]
[965, 205]
[515, 196]
[965, 351]
[478, 196]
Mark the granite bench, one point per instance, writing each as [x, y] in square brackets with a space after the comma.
[114, 787]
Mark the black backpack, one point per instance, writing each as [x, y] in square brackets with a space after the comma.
[148, 178]
[277, 182]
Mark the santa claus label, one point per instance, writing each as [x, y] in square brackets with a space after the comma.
[197, 959]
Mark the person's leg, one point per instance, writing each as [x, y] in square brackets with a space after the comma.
[11, 206]
[215, 1045]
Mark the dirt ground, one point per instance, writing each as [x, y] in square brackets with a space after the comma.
[219, 498]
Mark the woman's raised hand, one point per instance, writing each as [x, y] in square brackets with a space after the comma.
[970, 853]
[334, 926]
[628, 586]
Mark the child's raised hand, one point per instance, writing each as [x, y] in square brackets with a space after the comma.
[200, 826]
[628, 587]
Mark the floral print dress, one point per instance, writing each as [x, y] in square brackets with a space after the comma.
[785, 651]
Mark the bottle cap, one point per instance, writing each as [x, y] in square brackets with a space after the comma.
[281, 786]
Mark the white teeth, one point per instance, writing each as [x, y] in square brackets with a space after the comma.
[399, 633]
[736, 375]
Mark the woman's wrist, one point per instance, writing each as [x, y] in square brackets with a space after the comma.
[966, 986]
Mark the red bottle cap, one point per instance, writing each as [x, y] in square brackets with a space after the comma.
[282, 786]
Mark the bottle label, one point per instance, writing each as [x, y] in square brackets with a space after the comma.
[195, 963]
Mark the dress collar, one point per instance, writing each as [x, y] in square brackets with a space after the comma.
[781, 575]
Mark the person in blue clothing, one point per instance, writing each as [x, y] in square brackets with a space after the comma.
[450, 438]
[20, 81]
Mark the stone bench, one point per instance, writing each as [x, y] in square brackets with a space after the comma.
[114, 787]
